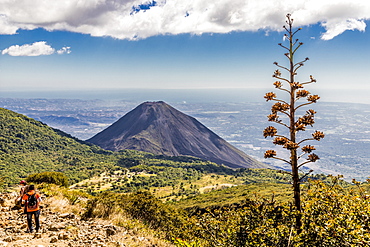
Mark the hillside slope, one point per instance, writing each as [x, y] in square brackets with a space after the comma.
[29, 146]
[158, 128]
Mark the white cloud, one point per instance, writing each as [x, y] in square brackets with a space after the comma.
[125, 19]
[334, 29]
[64, 50]
[36, 49]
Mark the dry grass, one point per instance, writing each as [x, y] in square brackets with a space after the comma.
[133, 233]
[62, 205]
[207, 183]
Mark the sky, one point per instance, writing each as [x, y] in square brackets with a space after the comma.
[48, 45]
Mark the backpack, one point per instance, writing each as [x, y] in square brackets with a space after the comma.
[32, 202]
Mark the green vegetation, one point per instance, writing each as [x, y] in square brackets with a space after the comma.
[173, 183]
[56, 178]
[236, 196]
[28, 146]
[142, 206]
[332, 215]
[2, 183]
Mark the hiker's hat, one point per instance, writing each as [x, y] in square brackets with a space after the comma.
[22, 182]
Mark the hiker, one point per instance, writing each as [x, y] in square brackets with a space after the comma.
[31, 201]
[18, 201]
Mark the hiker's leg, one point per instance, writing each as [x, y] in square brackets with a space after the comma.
[37, 220]
[29, 221]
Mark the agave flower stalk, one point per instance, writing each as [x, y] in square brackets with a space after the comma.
[294, 123]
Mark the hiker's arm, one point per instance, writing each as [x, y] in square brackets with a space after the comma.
[39, 199]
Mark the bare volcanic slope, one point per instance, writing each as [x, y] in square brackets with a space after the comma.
[158, 128]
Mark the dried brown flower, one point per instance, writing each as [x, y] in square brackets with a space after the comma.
[277, 73]
[280, 140]
[278, 106]
[311, 112]
[270, 96]
[318, 135]
[300, 127]
[278, 84]
[306, 120]
[296, 85]
[273, 117]
[302, 93]
[270, 131]
[291, 145]
[270, 154]
[313, 98]
[313, 157]
[308, 148]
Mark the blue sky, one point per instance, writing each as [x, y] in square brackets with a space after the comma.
[105, 44]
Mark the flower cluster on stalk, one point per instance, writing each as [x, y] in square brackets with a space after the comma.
[313, 98]
[313, 157]
[273, 117]
[296, 85]
[291, 145]
[282, 107]
[288, 109]
[280, 140]
[270, 96]
[270, 131]
[318, 135]
[302, 94]
[278, 84]
[308, 149]
[270, 153]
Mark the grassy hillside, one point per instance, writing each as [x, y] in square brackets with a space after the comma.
[28, 146]
[235, 196]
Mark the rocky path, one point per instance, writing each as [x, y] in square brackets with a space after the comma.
[65, 229]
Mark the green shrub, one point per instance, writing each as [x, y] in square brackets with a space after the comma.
[2, 183]
[57, 178]
[142, 206]
[332, 215]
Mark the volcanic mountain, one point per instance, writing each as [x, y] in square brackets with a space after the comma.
[158, 128]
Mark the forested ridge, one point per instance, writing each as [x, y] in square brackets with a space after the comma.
[29, 146]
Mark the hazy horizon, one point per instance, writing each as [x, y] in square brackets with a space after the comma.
[188, 95]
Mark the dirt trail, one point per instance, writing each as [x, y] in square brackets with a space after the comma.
[58, 229]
